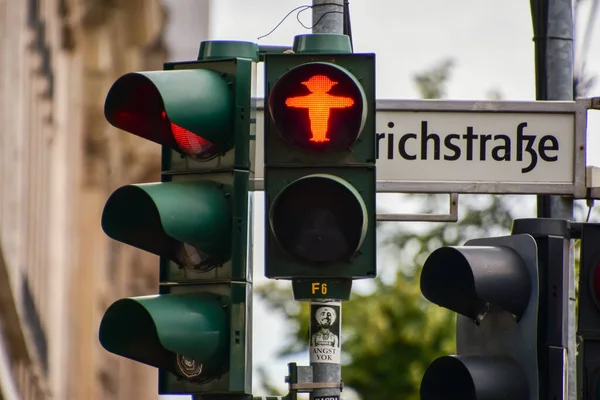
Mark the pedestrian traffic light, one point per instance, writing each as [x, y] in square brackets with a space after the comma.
[196, 331]
[320, 161]
[492, 284]
[588, 326]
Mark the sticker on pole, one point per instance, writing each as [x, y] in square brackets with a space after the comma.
[325, 336]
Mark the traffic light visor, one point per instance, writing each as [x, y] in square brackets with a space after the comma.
[189, 111]
[188, 223]
[319, 219]
[474, 378]
[318, 107]
[467, 279]
[154, 330]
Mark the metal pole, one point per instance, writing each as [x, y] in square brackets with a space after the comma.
[325, 347]
[326, 315]
[553, 36]
[328, 16]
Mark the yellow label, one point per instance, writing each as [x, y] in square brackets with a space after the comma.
[318, 287]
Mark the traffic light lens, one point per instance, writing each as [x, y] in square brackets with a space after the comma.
[596, 284]
[191, 143]
[318, 107]
[447, 378]
[467, 279]
[134, 104]
[474, 378]
[318, 229]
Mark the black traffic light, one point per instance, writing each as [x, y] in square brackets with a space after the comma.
[492, 284]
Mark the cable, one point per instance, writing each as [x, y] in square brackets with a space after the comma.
[590, 204]
[302, 9]
[319, 20]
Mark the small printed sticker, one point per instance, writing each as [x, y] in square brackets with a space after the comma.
[327, 398]
[325, 324]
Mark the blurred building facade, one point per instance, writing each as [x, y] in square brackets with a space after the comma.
[59, 161]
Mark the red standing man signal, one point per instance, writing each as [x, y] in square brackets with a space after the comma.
[319, 104]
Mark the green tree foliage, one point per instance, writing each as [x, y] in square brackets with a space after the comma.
[431, 83]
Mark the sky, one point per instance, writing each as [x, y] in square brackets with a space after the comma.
[490, 42]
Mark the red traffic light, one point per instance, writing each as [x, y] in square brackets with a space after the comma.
[318, 107]
[134, 104]
[187, 141]
[189, 111]
[319, 104]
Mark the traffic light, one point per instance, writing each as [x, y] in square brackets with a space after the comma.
[588, 326]
[196, 331]
[493, 285]
[320, 161]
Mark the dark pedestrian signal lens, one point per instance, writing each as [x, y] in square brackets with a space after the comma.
[319, 219]
[318, 107]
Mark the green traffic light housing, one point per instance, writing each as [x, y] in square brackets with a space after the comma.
[190, 111]
[200, 109]
[197, 336]
[197, 330]
[185, 334]
[319, 149]
[188, 223]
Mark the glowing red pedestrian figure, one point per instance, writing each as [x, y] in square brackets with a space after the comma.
[319, 104]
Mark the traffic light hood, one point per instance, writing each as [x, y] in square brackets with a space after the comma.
[473, 378]
[191, 111]
[466, 279]
[155, 329]
[189, 223]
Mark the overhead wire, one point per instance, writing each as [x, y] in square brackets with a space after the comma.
[301, 9]
[590, 204]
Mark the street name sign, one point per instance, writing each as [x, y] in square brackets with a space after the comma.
[448, 146]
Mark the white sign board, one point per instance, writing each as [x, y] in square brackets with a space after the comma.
[475, 147]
